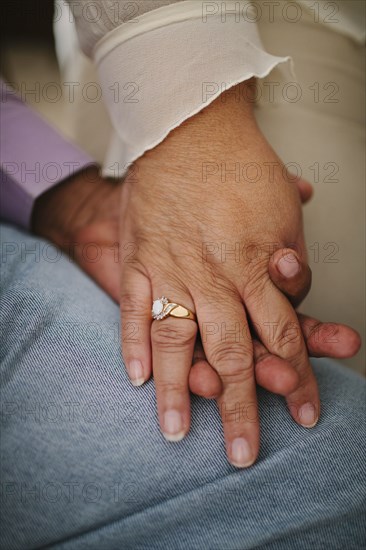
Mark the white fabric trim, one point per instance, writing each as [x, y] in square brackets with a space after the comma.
[153, 57]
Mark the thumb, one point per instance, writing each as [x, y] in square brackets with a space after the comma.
[305, 190]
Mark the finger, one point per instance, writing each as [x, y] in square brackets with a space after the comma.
[273, 373]
[329, 339]
[203, 379]
[228, 347]
[135, 304]
[305, 190]
[172, 343]
[278, 329]
[290, 274]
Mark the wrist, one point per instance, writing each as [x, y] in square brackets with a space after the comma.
[216, 134]
[229, 117]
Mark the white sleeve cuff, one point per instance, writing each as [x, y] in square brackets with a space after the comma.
[170, 64]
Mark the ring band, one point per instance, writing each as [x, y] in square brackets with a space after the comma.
[162, 308]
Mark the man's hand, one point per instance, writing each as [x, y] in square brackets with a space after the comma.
[81, 216]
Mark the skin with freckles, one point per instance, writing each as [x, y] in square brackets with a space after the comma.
[88, 209]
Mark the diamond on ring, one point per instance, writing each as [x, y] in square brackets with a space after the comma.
[158, 308]
[162, 307]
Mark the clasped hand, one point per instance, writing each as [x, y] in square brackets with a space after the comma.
[247, 330]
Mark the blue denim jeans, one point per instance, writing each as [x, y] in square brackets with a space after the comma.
[84, 465]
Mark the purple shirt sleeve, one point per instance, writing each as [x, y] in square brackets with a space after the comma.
[33, 158]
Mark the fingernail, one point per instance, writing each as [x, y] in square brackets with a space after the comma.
[241, 453]
[136, 372]
[308, 416]
[173, 426]
[289, 265]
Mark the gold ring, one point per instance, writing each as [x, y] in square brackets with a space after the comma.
[162, 308]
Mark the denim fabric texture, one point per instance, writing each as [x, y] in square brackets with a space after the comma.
[84, 465]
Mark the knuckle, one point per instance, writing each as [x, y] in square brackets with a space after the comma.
[132, 304]
[167, 386]
[256, 282]
[320, 332]
[233, 361]
[292, 354]
[166, 335]
[289, 341]
[306, 380]
[222, 353]
[237, 374]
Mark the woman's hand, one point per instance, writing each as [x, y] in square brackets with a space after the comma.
[85, 210]
[203, 236]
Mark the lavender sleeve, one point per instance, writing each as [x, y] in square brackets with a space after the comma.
[33, 158]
